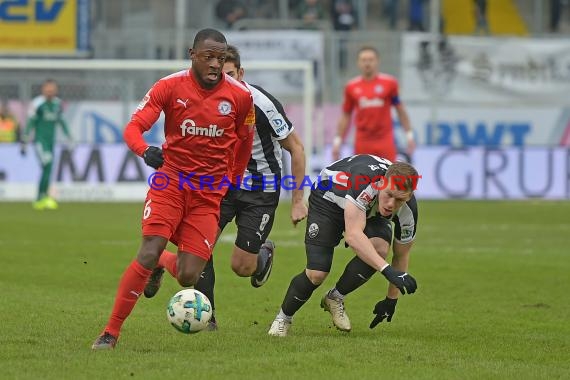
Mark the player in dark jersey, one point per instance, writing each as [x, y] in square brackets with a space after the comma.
[359, 196]
[253, 205]
[209, 119]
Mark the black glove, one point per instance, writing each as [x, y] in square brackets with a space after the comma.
[384, 309]
[153, 157]
[402, 280]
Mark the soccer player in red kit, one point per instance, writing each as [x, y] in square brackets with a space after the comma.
[209, 120]
[371, 96]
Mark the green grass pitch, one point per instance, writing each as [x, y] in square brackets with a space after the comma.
[493, 302]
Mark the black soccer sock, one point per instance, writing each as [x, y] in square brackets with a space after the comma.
[299, 292]
[207, 280]
[356, 273]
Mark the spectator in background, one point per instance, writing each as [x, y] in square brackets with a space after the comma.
[310, 12]
[416, 16]
[344, 20]
[9, 128]
[555, 11]
[481, 25]
[391, 10]
[229, 11]
[343, 15]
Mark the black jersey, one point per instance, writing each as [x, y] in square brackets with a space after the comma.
[357, 179]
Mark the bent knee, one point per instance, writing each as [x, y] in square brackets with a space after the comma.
[244, 264]
[187, 279]
[315, 276]
[244, 269]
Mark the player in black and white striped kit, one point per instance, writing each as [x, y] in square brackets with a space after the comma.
[253, 205]
[359, 196]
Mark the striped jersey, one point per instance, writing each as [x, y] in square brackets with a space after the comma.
[271, 125]
[357, 179]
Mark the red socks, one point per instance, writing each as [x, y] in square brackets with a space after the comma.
[168, 261]
[131, 287]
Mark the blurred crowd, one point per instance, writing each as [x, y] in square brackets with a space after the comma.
[344, 15]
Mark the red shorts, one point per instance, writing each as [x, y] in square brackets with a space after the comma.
[381, 148]
[187, 217]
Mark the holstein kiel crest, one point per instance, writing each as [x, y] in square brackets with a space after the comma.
[224, 107]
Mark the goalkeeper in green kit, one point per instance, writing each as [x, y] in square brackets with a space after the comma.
[44, 117]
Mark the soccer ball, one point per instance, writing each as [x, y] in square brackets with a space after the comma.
[189, 311]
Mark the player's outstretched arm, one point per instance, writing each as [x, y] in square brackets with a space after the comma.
[407, 126]
[385, 309]
[294, 146]
[342, 128]
[400, 261]
[355, 222]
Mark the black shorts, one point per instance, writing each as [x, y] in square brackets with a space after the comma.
[254, 212]
[325, 223]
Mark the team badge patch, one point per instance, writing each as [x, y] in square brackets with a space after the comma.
[313, 230]
[378, 89]
[224, 107]
[144, 101]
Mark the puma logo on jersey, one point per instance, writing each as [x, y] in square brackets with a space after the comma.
[208, 244]
[188, 127]
[183, 102]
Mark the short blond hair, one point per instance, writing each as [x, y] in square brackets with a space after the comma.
[406, 176]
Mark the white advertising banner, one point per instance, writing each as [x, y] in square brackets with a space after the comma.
[486, 70]
[283, 46]
[113, 173]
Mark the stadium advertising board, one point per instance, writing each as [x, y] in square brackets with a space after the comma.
[43, 27]
[103, 122]
[111, 172]
[486, 70]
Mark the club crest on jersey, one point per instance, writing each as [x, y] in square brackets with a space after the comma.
[313, 230]
[378, 89]
[224, 107]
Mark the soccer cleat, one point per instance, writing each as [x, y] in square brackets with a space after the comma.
[39, 205]
[50, 203]
[212, 324]
[153, 283]
[279, 327]
[336, 308]
[259, 278]
[105, 341]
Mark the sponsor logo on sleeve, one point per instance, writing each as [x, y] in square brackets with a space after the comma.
[250, 118]
[144, 101]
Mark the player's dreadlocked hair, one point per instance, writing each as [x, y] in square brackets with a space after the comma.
[232, 56]
[405, 176]
[206, 34]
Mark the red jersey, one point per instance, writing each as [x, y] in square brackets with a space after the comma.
[201, 126]
[372, 101]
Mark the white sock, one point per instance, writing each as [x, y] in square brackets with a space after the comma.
[282, 315]
[334, 293]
